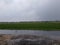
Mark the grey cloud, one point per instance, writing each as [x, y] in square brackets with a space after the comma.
[29, 10]
[51, 10]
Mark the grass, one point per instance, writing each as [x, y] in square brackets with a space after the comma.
[31, 25]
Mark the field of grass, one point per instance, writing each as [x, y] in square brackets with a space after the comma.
[31, 25]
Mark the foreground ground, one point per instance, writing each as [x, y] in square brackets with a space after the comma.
[7, 39]
[30, 25]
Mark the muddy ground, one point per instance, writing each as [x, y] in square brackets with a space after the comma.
[8, 39]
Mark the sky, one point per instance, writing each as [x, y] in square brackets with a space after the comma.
[29, 10]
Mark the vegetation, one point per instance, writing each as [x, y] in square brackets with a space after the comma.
[30, 25]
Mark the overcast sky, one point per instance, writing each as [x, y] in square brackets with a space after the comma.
[29, 10]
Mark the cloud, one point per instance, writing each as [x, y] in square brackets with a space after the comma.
[23, 10]
[50, 9]
[18, 10]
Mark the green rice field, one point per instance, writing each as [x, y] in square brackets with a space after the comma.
[30, 25]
